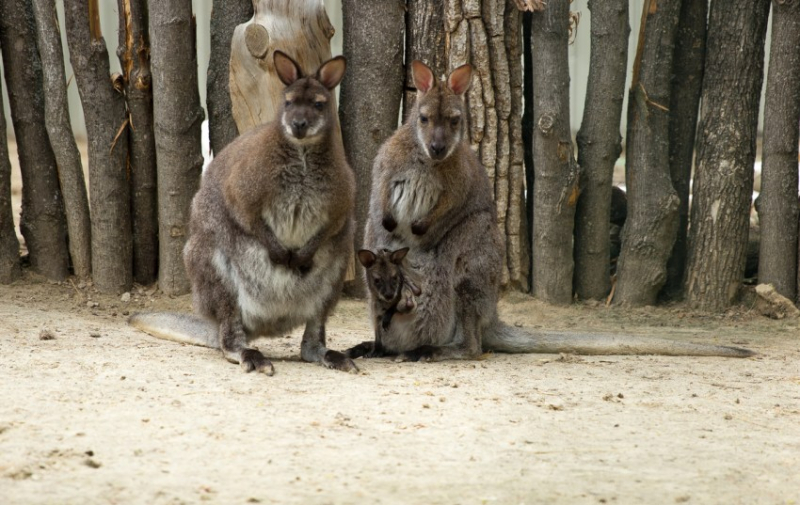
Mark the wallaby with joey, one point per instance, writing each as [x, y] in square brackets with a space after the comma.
[393, 289]
[271, 230]
[431, 194]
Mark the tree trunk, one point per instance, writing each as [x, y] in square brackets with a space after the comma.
[59, 130]
[517, 239]
[370, 93]
[556, 190]
[599, 145]
[484, 33]
[178, 117]
[425, 41]
[134, 56]
[723, 178]
[652, 222]
[299, 27]
[42, 221]
[104, 110]
[527, 132]
[778, 210]
[9, 244]
[225, 16]
[687, 82]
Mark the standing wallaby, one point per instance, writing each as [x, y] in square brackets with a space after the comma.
[431, 194]
[393, 290]
[271, 230]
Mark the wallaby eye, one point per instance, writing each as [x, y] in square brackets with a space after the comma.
[378, 282]
[319, 105]
[287, 103]
[423, 119]
[454, 121]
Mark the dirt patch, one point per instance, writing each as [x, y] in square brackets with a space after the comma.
[96, 412]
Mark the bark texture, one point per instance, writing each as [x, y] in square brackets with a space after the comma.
[9, 244]
[723, 178]
[42, 221]
[134, 56]
[62, 140]
[599, 145]
[556, 173]
[301, 28]
[652, 221]
[687, 81]
[225, 16]
[106, 120]
[778, 210]
[486, 35]
[370, 94]
[425, 41]
[178, 116]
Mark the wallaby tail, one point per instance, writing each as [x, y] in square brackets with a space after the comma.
[184, 328]
[504, 338]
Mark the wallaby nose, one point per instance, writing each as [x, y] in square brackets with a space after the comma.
[299, 124]
[437, 148]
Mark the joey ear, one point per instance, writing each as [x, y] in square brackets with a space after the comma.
[460, 79]
[366, 258]
[331, 72]
[423, 76]
[398, 255]
[287, 69]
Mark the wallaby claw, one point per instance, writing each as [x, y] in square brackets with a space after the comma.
[253, 361]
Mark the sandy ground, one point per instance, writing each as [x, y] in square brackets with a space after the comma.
[93, 411]
[96, 412]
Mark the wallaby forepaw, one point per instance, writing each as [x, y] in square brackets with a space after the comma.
[279, 257]
[253, 361]
[301, 263]
[419, 227]
[339, 361]
[422, 353]
[389, 222]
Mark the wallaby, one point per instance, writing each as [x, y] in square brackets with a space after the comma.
[271, 230]
[431, 194]
[394, 291]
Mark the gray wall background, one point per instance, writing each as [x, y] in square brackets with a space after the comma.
[578, 52]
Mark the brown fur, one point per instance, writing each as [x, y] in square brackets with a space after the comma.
[431, 194]
[271, 227]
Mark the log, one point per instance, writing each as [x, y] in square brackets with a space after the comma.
[134, 56]
[106, 120]
[723, 178]
[370, 94]
[10, 269]
[42, 222]
[59, 130]
[178, 118]
[778, 209]
[652, 221]
[555, 192]
[599, 146]
[226, 15]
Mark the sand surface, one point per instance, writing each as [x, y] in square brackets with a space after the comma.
[94, 411]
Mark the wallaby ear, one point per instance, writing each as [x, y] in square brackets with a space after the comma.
[459, 79]
[287, 69]
[423, 76]
[331, 72]
[366, 258]
[398, 255]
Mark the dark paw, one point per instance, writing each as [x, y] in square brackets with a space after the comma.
[365, 350]
[419, 227]
[421, 353]
[389, 223]
[279, 257]
[338, 361]
[253, 360]
[301, 263]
